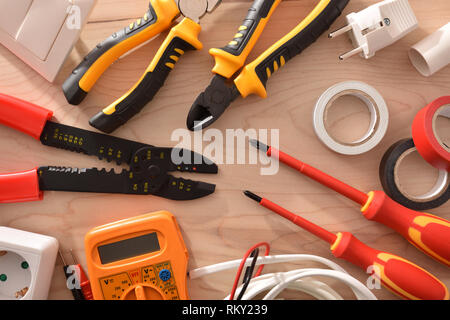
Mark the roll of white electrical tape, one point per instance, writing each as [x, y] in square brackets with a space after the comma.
[379, 117]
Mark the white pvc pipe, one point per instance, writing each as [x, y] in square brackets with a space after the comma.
[432, 53]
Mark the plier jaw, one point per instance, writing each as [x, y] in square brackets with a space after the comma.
[196, 9]
[160, 16]
[211, 103]
[252, 78]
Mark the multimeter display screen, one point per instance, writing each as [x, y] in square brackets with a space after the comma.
[128, 248]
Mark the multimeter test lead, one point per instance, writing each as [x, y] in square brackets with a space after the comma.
[428, 233]
[85, 284]
[249, 270]
[397, 274]
[71, 283]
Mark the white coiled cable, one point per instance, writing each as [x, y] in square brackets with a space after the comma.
[299, 279]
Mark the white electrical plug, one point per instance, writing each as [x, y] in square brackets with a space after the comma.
[377, 27]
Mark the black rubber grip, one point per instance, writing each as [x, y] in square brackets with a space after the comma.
[71, 87]
[144, 92]
[302, 40]
[259, 10]
[388, 180]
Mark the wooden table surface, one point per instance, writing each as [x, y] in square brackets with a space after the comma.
[224, 225]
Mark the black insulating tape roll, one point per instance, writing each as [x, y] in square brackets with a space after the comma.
[387, 178]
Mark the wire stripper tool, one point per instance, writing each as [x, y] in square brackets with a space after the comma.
[159, 17]
[149, 165]
[211, 103]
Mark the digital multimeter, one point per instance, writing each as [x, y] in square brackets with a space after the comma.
[142, 258]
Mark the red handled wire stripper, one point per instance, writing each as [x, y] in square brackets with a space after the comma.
[149, 165]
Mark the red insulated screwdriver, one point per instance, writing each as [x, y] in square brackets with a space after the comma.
[428, 233]
[399, 275]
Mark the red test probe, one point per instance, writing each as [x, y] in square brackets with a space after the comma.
[241, 266]
[428, 233]
[397, 274]
[85, 284]
[76, 293]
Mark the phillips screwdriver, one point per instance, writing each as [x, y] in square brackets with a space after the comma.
[85, 284]
[397, 274]
[76, 292]
[428, 233]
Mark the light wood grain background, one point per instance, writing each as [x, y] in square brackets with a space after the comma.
[224, 225]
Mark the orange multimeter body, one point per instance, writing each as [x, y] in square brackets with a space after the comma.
[141, 258]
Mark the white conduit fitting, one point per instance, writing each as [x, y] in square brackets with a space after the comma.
[432, 53]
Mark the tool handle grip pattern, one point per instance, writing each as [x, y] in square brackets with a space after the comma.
[158, 18]
[254, 76]
[183, 37]
[399, 275]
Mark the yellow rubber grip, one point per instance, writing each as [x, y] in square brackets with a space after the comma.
[168, 54]
[228, 63]
[166, 11]
[249, 82]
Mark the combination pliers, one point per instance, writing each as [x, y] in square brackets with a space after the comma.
[252, 78]
[159, 17]
[149, 165]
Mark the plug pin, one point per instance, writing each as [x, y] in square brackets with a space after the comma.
[377, 27]
[351, 53]
[340, 31]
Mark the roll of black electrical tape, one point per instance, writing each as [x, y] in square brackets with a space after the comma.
[437, 196]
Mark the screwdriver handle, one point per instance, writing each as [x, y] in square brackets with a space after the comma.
[397, 274]
[429, 233]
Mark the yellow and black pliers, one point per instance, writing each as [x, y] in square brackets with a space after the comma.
[159, 17]
[252, 79]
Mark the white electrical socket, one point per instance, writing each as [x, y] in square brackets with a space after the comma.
[27, 261]
[43, 32]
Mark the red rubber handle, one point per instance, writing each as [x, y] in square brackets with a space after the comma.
[399, 275]
[427, 232]
[20, 187]
[23, 116]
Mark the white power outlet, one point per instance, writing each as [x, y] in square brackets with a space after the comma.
[27, 261]
[43, 33]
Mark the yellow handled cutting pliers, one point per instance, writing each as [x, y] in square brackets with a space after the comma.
[159, 17]
[252, 79]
